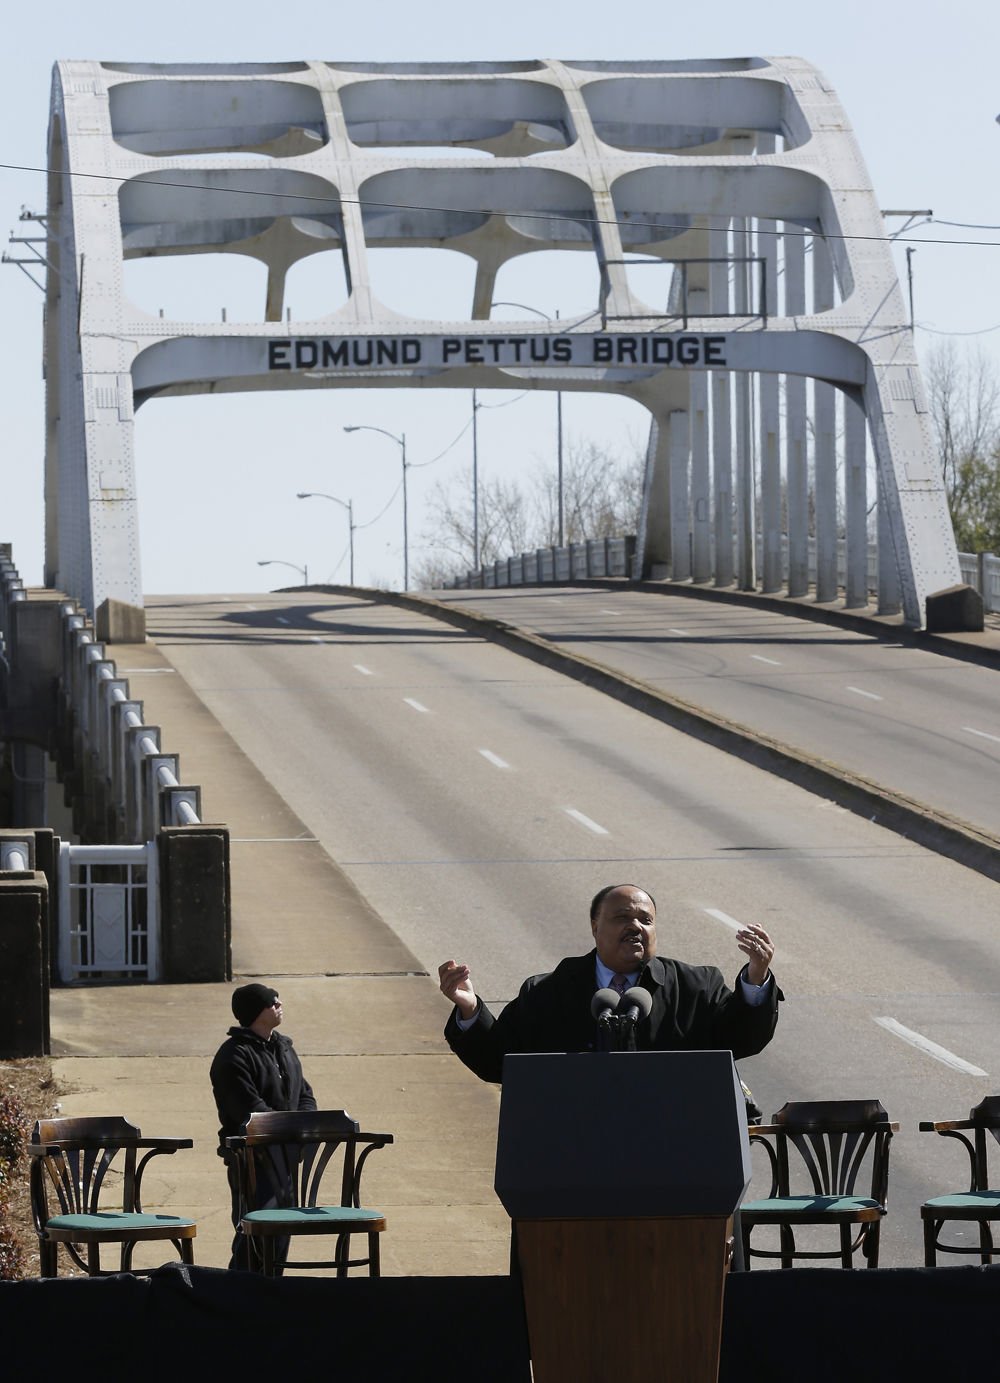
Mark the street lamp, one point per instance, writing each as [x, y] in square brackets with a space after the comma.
[277, 562]
[401, 443]
[526, 307]
[348, 505]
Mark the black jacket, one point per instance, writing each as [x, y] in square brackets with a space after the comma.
[251, 1074]
[693, 1010]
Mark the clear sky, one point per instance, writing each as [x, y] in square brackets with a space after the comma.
[218, 477]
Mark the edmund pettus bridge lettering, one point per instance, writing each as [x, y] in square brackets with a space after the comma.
[337, 353]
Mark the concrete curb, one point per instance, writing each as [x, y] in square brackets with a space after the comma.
[935, 830]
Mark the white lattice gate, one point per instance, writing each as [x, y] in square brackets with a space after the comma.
[108, 912]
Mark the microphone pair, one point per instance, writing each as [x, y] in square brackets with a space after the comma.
[609, 1007]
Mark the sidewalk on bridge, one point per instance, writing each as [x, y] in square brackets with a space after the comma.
[366, 1021]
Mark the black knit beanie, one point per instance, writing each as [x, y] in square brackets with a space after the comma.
[250, 1000]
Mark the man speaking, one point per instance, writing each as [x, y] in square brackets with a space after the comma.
[691, 1008]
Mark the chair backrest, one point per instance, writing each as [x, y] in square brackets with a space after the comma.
[833, 1138]
[292, 1151]
[82, 1153]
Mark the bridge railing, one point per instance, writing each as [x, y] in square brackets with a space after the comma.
[146, 895]
[613, 557]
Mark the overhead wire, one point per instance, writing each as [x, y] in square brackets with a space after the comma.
[550, 216]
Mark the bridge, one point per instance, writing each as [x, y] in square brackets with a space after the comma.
[402, 779]
[746, 294]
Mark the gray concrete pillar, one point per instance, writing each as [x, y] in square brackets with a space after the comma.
[24, 987]
[195, 920]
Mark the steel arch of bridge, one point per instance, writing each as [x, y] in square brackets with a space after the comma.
[780, 354]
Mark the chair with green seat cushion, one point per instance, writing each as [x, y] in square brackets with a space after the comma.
[282, 1159]
[834, 1141]
[980, 1204]
[76, 1161]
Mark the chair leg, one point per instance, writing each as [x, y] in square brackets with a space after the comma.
[846, 1257]
[374, 1262]
[985, 1242]
[267, 1255]
[870, 1243]
[931, 1230]
[342, 1253]
[93, 1259]
[745, 1232]
[186, 1247]
[48, 1258]
[128, 1248]
[787, 1239]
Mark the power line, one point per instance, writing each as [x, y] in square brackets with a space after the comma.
[581, 219]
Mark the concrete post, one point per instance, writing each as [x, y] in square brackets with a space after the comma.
[24, 987]
[195, 908]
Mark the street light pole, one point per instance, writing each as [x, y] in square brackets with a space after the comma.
[277, 562]
[401, 443]
[559, 423]
[475, 480]
[348, 505]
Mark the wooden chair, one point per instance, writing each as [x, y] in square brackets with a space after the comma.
[74, 1160]
[979, 1204]
[833, 1138]
[282, 1159]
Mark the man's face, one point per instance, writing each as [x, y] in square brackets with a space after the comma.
[625, 930]
[269, 1018]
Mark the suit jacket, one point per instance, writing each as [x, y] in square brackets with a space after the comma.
[692, 1010]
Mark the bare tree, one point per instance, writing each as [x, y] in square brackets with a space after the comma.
[965, 406]
[602, 496]
[505, 525]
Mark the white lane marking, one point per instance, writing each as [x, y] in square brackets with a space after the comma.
[147, 671]
[365, 671]
[759, 658]
[924, 1044]
[682, 632]
[859, 691]
[609, 612]
[281, 619]
[417, 705]
[725, 919]
[585, 821]
[494, 759]
[981, 733]
[251, 607]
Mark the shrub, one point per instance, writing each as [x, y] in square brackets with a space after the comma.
[14, 1129]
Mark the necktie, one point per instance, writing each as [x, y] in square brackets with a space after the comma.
[619, 983]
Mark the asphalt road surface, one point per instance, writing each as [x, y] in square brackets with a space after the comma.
[917, 721]
[478, 801]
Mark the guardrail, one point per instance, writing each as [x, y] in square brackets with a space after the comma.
[613, 557]
[142, 782]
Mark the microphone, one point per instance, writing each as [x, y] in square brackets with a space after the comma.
[603, 1006]
[636, 1004]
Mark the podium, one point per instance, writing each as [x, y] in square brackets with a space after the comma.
[621, 1172]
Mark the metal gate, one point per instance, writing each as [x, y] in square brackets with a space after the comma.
[109, 923]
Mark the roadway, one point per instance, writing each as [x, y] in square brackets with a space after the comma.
[917, 721]
[477, 800]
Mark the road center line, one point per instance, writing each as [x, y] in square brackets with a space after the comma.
[494, 759]
[585, 821]
[281, 619]
[417, 705]
[859, 691]
[981, 733]
[365, 671]
[609, 612]
[725, 919]
[759, 658]
[924, 1044]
